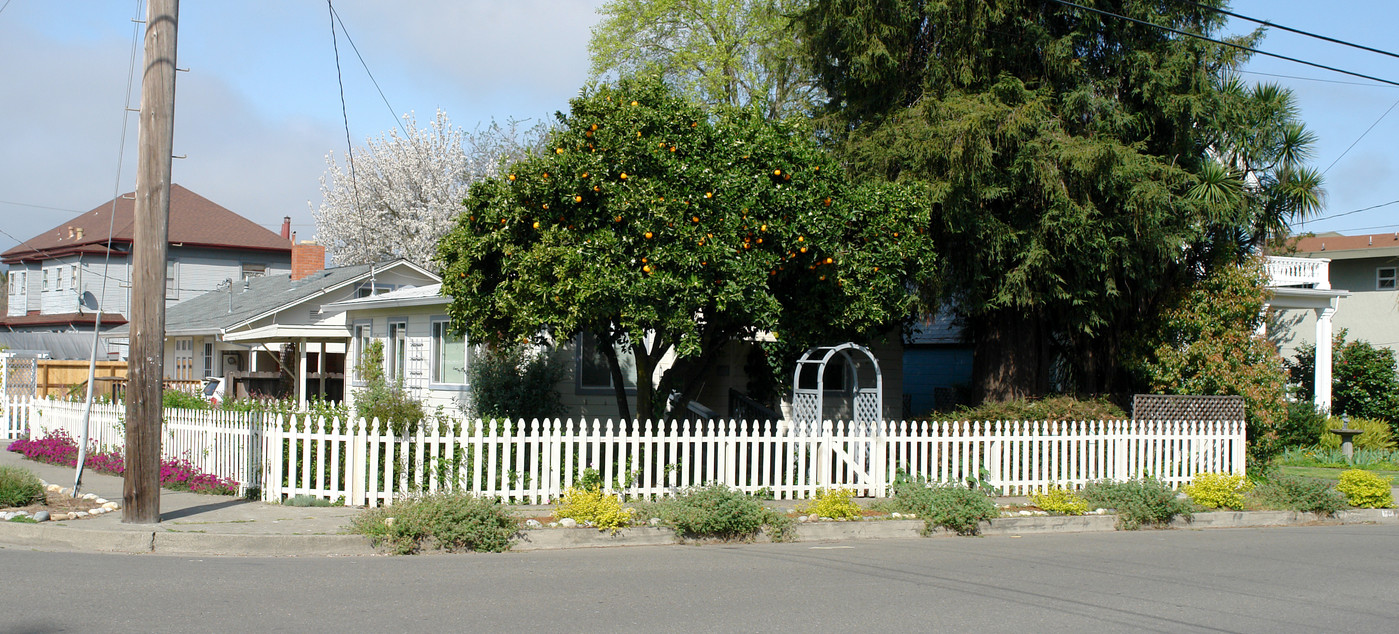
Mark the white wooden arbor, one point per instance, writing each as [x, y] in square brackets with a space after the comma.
[864, 382]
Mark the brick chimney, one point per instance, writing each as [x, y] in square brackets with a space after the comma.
[286, 227]
[307, 258]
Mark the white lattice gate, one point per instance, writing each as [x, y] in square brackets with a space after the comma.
[845, 452]
[19, 374]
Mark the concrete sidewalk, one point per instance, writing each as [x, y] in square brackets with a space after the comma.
[212, 525]
[190, 523]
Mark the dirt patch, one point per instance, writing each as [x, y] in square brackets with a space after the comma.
[56, 504]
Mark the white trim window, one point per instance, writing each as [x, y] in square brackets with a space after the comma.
[449, 354]
[73, 280]
[363, 336]
[172, 279]
[1385, 278]
[208, 358]
[396, 355]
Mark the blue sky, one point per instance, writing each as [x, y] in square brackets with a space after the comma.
[260, 108]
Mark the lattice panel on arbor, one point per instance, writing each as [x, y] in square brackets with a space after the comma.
[1187, 407]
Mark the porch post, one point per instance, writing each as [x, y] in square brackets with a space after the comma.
[1322, 377]
[320, 368]
[301, 373]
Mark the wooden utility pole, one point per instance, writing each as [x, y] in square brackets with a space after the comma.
[141, 489]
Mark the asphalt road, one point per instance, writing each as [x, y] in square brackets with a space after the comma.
[1305, 579]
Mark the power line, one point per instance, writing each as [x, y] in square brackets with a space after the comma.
[1317, 79]
[1292, 30]
[366, 69]
[20, 204]
[1362, 135]
[1224, 43]
[1354, 211]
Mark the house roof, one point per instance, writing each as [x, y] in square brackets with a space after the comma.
[427, 295]
[257, 297]
[1339, 247]
[194, 221]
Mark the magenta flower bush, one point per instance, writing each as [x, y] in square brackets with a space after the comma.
[57, 447]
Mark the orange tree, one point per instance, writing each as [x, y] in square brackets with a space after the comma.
[660, 225]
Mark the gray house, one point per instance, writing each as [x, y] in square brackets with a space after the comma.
[50, 274]
[273, 333]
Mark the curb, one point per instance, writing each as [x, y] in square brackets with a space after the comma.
[61, 537]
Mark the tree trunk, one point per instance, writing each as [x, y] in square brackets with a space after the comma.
[608, 343]
[1012, 357]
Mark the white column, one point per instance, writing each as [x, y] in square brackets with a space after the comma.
[301, 372]
[1323, 357]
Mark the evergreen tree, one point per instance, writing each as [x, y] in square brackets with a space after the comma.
[1086, 165]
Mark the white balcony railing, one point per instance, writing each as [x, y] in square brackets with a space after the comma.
[1299, 272]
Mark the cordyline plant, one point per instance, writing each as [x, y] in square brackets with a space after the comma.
[659, 225]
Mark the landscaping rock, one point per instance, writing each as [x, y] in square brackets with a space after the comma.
[111, 506]
[533, 524]
[568, 522]
[655, 521]
[41, 516]
[813, 518]
[77, 515]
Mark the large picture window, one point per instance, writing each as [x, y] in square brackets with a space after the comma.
[593, 372]
[448, 354]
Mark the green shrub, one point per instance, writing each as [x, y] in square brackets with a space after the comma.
[1219, 490]
[1304, 424]
[1364, 380]
[716, 511]
[1365, 490]
[389, 403]
[1137, 503]
[836, 504]
[1375, 434]
[1060, 501]
[172, 398]
[1386, 459]
[950, 506]
[588, 504]
[303, 500]
[447, 521]
[1309, 495]
[19, 487]
[511, 382]
[1050, 408]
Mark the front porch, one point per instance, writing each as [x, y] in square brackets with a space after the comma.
[1305, 284]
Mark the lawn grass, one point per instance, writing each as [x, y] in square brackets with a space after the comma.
[1327, 473]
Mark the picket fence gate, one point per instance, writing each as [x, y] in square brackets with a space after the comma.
[365, 463]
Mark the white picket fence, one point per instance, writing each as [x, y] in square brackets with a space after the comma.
[536, 461]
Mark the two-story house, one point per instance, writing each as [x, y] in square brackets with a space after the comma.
[1368, 267]
[59, 278]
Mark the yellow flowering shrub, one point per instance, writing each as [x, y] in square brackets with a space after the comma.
[1218, 490]
[603, 509]
[835, 504]
[1060, 501]
[1365, 490]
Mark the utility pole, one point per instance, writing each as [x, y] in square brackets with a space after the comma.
[146, 362]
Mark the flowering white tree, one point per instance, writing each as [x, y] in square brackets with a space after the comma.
[406, 189]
